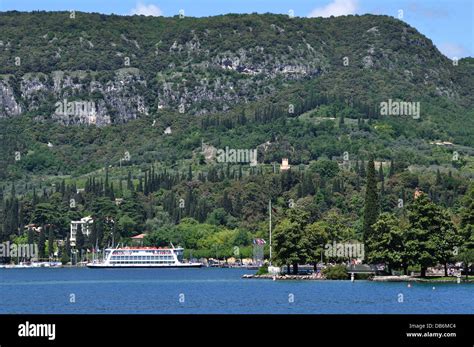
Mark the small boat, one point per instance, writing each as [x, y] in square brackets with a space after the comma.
[31, 265]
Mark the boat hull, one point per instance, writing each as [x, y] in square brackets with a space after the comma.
[143, 266]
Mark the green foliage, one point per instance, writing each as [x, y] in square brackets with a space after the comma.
[262, 270]
[387, 244]
[432, 236]
[65, 257]
[325, 168]
[336, 272]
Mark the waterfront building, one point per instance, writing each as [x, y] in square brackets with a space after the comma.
[85, 225]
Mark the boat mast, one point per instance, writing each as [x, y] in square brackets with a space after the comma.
[270, 227]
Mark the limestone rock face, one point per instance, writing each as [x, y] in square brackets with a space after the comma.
[75, 97]
[8, 104]
[209, 65]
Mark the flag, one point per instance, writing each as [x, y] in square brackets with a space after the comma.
[259, 242]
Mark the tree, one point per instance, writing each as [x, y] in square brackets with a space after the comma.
[325, 168]
[446, 239]
[431, 233]
[226, 203]
[64, 256]
[190, 173]
[79, 239]
[387, 243]
[371, 208]
[391, 171]
[42, 244]
[288, 239]
[46, 213]
[31, 239]
[315, 237]
[466, 254]
[50, 242]
[381, 179]
[126, 225]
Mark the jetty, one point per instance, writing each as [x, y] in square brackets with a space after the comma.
[284, 277]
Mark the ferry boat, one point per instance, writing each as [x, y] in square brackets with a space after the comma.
[142, 257]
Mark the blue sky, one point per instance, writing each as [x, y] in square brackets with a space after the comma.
[449, 23]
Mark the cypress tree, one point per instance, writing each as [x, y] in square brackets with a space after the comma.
[381, 179]
[190, 173]
[226, 203]
[51, 241]
[106, 184]
[79, 239]
[438, 178]
[145, 185]
[129, 182]
[31, 239]
[362, 169]
[371, 208]
[42, 243]
[140, 185]
[391, 172]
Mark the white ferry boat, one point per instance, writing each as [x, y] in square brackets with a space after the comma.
[142, 257]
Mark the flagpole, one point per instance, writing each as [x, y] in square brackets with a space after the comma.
[270, 225]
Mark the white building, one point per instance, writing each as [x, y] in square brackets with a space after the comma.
[85, 225]
[284, 165]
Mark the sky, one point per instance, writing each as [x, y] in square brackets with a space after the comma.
[448, 23]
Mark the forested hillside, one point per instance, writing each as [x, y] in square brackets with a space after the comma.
[169, 92]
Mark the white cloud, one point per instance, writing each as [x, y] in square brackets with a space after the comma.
[453, 50]
[146, 10]
[335, 8]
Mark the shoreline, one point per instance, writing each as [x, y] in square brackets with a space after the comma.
[283, 277]
[419, 279]
[382, 279]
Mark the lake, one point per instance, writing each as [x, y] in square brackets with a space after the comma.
[214, 290]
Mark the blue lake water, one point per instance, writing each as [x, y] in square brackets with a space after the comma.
[211, 290]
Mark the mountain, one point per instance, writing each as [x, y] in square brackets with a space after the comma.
[245, 81]
[134, 66]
